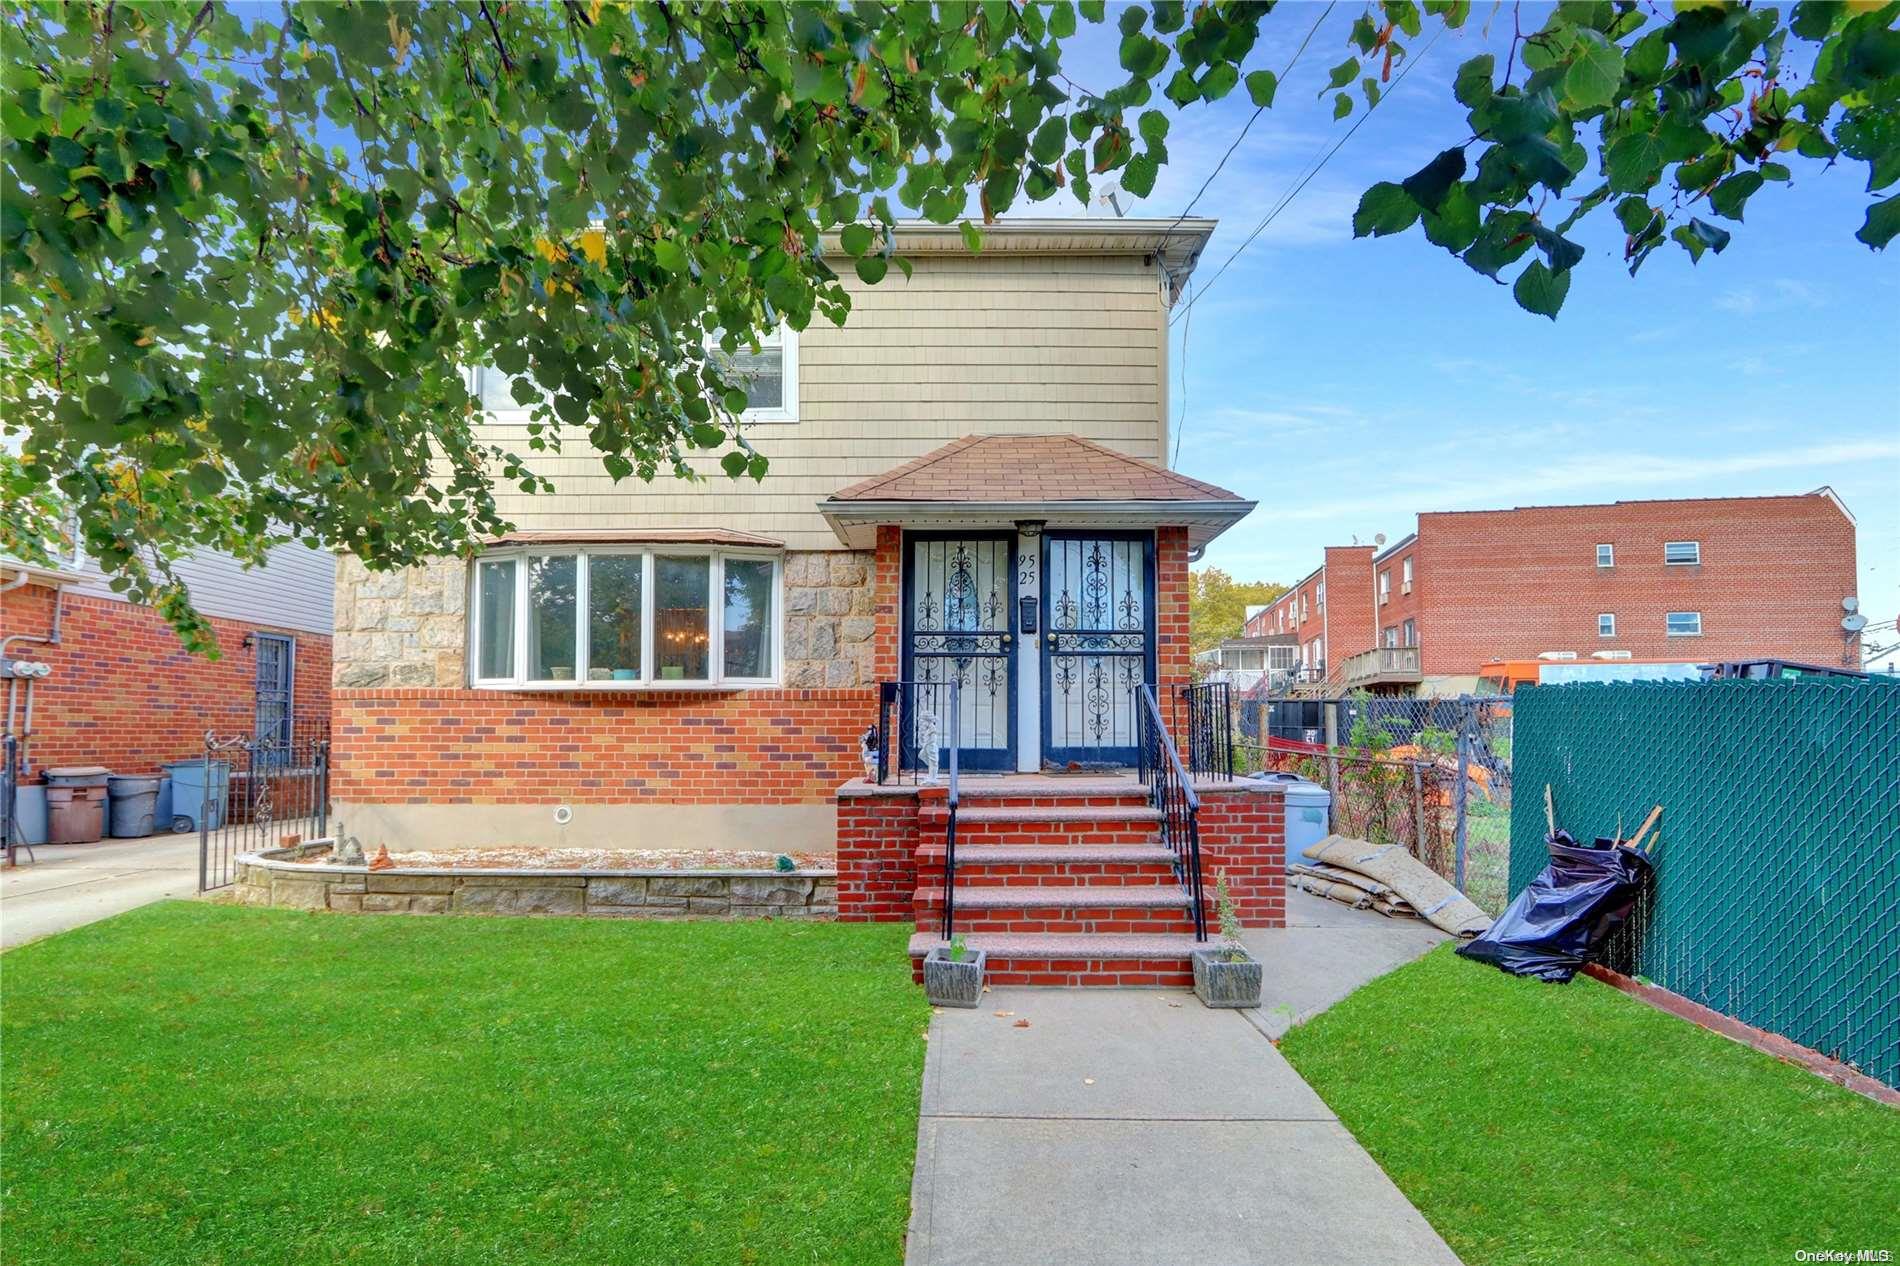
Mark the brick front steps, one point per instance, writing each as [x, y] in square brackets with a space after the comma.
[1071, 959]
[1063, 880]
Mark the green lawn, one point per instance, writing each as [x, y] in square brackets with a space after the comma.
[211, 1084]
[1567, 1124]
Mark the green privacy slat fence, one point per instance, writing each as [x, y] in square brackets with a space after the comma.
[1777, 898]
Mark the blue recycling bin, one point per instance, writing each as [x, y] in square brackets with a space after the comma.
[188, 792]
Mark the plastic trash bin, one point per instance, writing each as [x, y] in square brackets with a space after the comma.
[188, 792]
[1308, 813]
[134, 805]
[75, 804]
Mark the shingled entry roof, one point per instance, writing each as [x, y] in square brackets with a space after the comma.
[1029, 469]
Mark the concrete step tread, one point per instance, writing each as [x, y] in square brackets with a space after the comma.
[1065, 788]
[1064, 896]
[1016, 854]
[1069, 945]
[1063, 813]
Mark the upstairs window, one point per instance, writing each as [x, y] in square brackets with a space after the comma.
[1606, 556]
[1682, 553]
[1385, 587]
[1392, 637]
[1606, 624]
[1405, 576]
[768, 374]
[1683, 624]
[1411, 633]
[624, 618]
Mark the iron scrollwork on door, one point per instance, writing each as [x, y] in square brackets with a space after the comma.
[1098, 646]
[958, 631]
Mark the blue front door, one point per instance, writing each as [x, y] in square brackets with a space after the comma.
[959, 601]
[1098, 590]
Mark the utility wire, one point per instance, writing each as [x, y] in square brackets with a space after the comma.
[1312, 171]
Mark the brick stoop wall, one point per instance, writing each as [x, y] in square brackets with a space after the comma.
[1064, 884]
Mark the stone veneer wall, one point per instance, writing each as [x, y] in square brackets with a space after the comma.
[265, 880]
[410, 627]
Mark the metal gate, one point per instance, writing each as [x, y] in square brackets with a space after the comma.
[255, 793]
[959, 594]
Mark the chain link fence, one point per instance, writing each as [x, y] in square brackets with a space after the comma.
[1777, 893]
[1431, 774]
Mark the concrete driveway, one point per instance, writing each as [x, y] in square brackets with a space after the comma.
[75, 884]
[1136, 1126]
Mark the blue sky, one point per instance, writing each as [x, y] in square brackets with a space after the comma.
[1347, 384]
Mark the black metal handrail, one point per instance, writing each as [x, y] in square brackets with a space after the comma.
[950, 822]
[1172, 792]
[1208, 730]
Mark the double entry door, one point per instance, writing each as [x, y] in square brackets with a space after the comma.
[1048, 635]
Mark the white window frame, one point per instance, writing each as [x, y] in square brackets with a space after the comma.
[1610, 630]
[1695, 553]
[1391, 637]
[1670, 617]
[787, 340]
[1409, 631]
[1606, 555]
[1385, 586]
[648, 679]
[1405, 575]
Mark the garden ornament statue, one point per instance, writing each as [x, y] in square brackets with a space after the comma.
[928, 728]
[348, 851]
[868, 744]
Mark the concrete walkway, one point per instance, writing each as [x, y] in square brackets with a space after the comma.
[75, 884]
[1136, 1126]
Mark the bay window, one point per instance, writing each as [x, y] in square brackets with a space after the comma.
[621, 617]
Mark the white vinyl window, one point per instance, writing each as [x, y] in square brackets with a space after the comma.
[1411, 632]
[1405, 576]
[768, 375]
[1319, 595]
[1606, 556]
[1392, 637]
[615, 618]
[1683, 624]
[1385, 586]
[1606, 624]
[1682, 553]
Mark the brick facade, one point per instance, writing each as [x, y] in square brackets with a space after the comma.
[125, 693]
[1512, 584]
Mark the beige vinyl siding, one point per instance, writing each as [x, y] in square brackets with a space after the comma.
[1006, 344]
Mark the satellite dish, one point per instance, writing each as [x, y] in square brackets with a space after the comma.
[1379, 539]
[1850, 604]
[1854, 623]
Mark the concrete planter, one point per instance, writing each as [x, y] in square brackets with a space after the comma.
[954, 984]
[1222, 981]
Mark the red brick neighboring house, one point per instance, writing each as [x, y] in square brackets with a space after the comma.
[1695, 580]
[124, 693]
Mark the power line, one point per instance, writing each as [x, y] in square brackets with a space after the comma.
[1311, 172]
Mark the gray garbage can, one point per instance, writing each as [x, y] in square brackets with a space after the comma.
[189, 788]
[1308, 811]
[134, 803]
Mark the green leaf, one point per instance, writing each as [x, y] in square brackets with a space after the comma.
[1649, 56]
[1092, 9]
[1047, 144]
[1384, 209]
[1132, 19]
[670, 255]
[1562, 253]
[1728, 198]
[972, 237]
[1541, 291]
[1633, 163]
[1503, 240]
[871, 269]
[1513, 118]
[1883, 221]
[1261, 86]
[1342, 106]
[1218, 81]
[1169, 14]
[856, 238]
[1472, 87]
[1428, 184]
[1595, 77]
[1138, 177]
[734, 464]
[1153, 126]
[1342, 74]
[1455, 224]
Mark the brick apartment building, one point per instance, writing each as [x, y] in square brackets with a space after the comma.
[1704, 579]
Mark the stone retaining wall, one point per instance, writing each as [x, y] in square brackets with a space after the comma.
[274, 878]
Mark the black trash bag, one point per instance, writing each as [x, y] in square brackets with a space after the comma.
[1568, 912]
